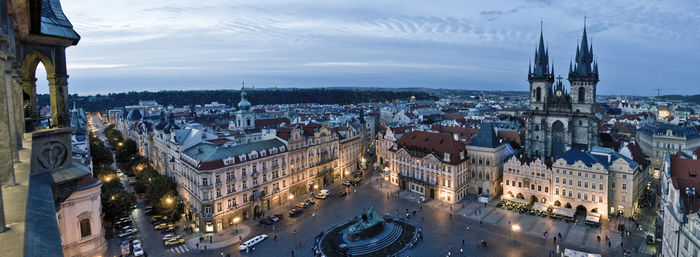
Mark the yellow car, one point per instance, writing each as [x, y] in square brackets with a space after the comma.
[156, 217]
[301, 205]
[321, 196]
[175, 241]
[160, 226]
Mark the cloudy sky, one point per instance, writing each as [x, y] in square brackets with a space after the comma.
[153, 45]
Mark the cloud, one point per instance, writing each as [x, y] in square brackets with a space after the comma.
[445, 43]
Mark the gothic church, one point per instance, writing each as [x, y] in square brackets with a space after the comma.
[559, 119]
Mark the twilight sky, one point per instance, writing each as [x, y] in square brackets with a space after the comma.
[153, 45]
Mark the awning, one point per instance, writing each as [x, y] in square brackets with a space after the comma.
[540, 207]
[593, 217]
[566, 212]
[517, 200]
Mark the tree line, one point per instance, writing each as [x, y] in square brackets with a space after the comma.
[232, 97]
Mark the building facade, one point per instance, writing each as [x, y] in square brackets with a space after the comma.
[431, 164]
[486, 153]
[680, 205]
[80, 220]
[219, 183]
[656, 140]
[557, 119]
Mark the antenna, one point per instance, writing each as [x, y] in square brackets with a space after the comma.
[658, 92]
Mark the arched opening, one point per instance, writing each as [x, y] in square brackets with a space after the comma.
[543, 200]
[37, 64]
[557, 203]
[538, 94]
[568, 205]
[520, 196]
[510, 193]
[594, 210]
[85, 229]
[581, 94]
[581, 210]
[533, 199]
[558, 138]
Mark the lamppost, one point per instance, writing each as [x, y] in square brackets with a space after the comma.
[291, 196]
[515, 228]
[235, 221]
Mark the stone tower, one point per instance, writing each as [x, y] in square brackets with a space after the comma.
[244, 117]
[558, 120]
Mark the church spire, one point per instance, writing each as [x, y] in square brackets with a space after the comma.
[584, 56]
[541, 61]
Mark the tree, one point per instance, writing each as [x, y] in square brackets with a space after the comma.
[101, 155]
[115, 200]
[127, 150]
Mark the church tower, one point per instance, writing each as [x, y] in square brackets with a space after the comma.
[557, 119]
[583, 78]
[244, 117]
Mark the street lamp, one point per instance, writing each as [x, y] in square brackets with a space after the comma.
[235, 221]
[169, 200]
[515, 228]
[119, 144]
[291, 196]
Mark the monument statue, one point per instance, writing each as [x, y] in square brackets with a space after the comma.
[367, 226]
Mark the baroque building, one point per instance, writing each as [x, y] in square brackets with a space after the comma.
[559, 119]
[681, 205]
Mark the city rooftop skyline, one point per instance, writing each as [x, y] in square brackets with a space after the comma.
[183, 45]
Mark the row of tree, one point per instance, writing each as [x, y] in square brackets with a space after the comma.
[232, 97]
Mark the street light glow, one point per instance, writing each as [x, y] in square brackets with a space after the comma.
[236, 219]
[515, 227]
[291, 196]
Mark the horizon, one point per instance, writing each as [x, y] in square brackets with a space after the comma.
[185, 45]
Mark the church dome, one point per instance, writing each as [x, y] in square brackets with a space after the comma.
[243, 104]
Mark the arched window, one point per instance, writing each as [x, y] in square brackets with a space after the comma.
[538, 94]
[537, 127]
[85, 227]
[248, 123]
[581, 94]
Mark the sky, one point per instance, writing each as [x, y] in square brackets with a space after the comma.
[136, 45]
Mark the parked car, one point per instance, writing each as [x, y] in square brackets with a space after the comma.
[138, 251]
[128, 232]
[169, 229]
[279, 216]
[160, 226]
[273, 218]
[310, 201]
[266, 221]
[252, 242]
[136, 244]
[301, 205]
[148, 211]
[156, 218]
[320, 196]
[174, 241]
[294, 212]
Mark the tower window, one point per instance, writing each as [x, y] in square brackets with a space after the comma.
[85, 227]
[538, 94]
[581, 94]
[248, 123]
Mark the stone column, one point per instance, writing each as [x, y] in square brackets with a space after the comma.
[58, 88]
[29, 87]
[19, 105]
[7, 176]
[10, 105]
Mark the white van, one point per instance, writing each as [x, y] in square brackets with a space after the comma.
[324, 192]
[252, 242]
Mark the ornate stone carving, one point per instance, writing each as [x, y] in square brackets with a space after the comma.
[52, 155]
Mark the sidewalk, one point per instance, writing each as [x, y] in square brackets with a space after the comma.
[225, 238]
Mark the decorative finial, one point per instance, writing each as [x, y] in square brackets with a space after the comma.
[243, 84]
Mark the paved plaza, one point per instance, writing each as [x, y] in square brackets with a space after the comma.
[448, 229]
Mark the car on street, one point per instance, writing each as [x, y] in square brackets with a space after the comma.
[273, 218]
[136, 244]
[320, 196]
[160, 226]
[169, 236]
[310, 201]
[252, 242]
[266, 221]
[169, 229]
[174, 241]
[279, 216]
[128, 232]
[148, 211]
[138, 251]
[294, 212]
[301, 205]
[156, 218]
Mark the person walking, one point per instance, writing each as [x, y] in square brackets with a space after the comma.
[462, 241]
[292, 253]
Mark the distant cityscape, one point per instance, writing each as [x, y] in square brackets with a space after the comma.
[553, 170]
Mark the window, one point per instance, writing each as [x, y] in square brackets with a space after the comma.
[205, 182]
[556, 191]
[563, 181]
[600, 186]
[624, 186]
[520, 184]
[563, 192]
[612, 184]
[600, 199]
[507, 182]
[218, 207]
[546, 189]
[579, 195]
[579, 183]
[571, 181]
[532, 187]
[85, 229]
[581, 94]
[585, 184]
[245, 198]
[623, 198]
[539, 188]
[593, 198]
[557, 180]
[570, 193]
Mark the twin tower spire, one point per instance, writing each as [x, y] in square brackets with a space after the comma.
[584, 67]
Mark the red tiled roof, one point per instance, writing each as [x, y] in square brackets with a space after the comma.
[274, 122]
[511, 136]
[436, 143]
[87, 182]
[685, 173]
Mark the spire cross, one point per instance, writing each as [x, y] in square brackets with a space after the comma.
[560, 78]
[243, 84]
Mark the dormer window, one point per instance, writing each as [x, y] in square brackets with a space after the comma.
[461, 155]
[447, 157]
[242, 157]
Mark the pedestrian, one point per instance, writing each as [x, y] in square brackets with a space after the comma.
[197, 245]
[555, 239]
[210, 240]
[462, 241]
[292, 253]
[205, 247]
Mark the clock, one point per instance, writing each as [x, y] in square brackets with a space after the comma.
[559, 93]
